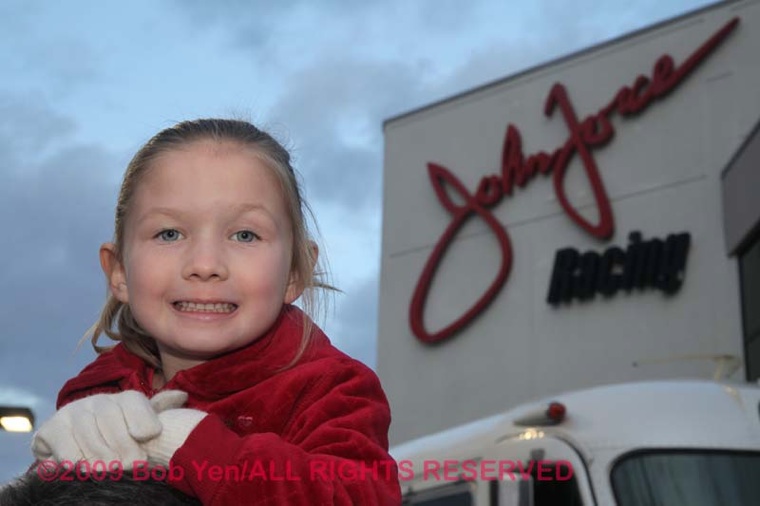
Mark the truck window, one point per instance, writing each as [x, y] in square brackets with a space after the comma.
[458, 494]
[555, 485]
[687, 478]
[552, 485]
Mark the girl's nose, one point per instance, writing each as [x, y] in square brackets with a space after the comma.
[205, 261]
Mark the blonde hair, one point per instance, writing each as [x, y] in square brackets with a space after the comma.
[276, 158]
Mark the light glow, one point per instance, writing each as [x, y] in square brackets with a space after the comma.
[16, 423]
[531, 434]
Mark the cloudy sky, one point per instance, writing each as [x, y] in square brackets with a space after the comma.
[85, 83]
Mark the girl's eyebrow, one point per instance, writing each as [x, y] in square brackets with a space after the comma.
[165, 211]
[235, 211]
[248, 207]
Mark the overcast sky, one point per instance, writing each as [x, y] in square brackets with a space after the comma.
[85, 83]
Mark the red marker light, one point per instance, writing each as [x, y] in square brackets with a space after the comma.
[556, 411]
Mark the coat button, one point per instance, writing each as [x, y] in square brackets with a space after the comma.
[245, 422]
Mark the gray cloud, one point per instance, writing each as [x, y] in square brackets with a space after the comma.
[56, 207]
[333, 112]
[356, 332]
[440, 14]
[58, 57]
[28, 128]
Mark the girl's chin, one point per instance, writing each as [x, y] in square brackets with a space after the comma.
[194, 355]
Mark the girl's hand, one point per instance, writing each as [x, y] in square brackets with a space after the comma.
[104, 427]
[178, 424]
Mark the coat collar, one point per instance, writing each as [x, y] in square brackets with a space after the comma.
[248, 366]
[212, 380]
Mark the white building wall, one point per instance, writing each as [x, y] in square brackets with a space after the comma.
[662, 174]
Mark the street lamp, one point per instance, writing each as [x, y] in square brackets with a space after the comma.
[16, 419]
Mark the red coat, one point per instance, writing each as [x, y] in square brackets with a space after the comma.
[314, 434]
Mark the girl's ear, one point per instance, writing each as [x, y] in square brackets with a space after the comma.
[297, 285]
[114, 271]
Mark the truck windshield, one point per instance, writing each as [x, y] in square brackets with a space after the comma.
[687, 478]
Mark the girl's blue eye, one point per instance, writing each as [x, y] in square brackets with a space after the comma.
[169, 235]
[245, 236]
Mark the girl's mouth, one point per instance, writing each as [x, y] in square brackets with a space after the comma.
[198, 307]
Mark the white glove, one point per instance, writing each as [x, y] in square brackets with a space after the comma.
[178, 424]
[104, 427]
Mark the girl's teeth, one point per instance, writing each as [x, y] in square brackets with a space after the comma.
[211, 308]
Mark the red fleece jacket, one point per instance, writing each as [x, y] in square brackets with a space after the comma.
[314, 434]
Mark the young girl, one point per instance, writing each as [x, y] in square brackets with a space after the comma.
[210, 252]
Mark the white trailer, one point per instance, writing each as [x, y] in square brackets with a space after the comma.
[664, 443]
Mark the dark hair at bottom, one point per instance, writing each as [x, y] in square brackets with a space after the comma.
[31, 490]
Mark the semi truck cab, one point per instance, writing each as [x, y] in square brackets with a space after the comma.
[659, 443]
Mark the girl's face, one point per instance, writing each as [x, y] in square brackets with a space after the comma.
[207, 251]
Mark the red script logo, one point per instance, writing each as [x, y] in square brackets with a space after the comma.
[592, 132]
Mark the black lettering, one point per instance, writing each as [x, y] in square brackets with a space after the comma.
[610, 279]
[655, 263]
[634, 271]
[561, 286]
[585, 281]
[674, 262]
[652, 253]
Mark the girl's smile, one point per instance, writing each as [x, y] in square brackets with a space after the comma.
[205, 307]
[205, 311]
